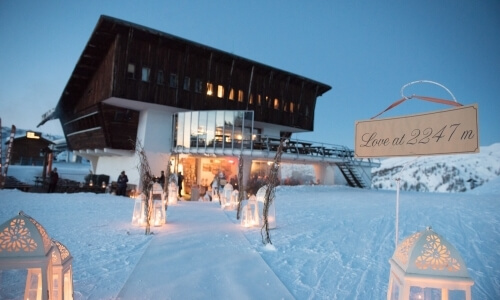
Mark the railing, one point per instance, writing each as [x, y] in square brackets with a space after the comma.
[264, 143]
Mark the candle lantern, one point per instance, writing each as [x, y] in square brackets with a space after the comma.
[158, 205]
[250, 213]
[426, 266]
[25, 245]
[226, 196]
[62, 273]
[172, 193]
[234, 199]
[139, 214]
[271, 214]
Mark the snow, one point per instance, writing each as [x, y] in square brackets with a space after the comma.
[331, 242]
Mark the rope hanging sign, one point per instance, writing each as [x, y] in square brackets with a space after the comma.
[448, 131]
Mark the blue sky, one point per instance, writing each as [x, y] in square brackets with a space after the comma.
[365, 50]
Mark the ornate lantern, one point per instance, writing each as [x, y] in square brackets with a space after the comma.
[172, 193]
[426, 266]
[250, 213]
[158, 205]
[25, 244]
[139, 215]
[62, 272]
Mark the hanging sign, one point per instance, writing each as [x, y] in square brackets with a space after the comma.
[448, 131]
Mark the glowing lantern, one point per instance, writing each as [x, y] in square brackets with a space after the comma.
[172, 193]
[158, 205]
[250, 213]
[271, 215]
[62, 273]
[426, 266]
[226, 196]
[24, 244]
[234, 199]
[139, 214]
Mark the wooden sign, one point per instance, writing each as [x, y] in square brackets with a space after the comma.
[448, 131]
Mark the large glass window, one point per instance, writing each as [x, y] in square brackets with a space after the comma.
[214, 129]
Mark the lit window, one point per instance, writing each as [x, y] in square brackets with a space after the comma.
[210, 89]
[131, 71]
[276, 103]
[145, 74]
[231, 94]
[291, 107]
[187, 83]
[220, 91]
[259, 99]
[240, 96]
[173, 80]
[250, 101]
[161, 78]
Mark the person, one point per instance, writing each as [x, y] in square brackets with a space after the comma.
[54, 178]
[180, 178]
[161, 180]
[122, 184]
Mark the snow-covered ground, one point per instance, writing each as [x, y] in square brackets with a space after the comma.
[331, 242]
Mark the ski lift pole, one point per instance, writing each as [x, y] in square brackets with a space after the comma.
[398, 180]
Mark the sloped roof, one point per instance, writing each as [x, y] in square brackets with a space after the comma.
[428, 253]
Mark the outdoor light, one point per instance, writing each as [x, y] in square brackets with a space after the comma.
[103, 185]
[62, 273]
[24, 244]
[139, 214]
[426, 266]
[271, 214]
[91, 183]
[172, 193]
[156, 195]
[250, 213]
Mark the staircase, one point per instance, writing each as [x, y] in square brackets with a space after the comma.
[353, 172]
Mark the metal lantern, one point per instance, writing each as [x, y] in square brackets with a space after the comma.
[25, 245]
[426, 266]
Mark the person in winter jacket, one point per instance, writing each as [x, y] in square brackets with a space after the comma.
[122, 184]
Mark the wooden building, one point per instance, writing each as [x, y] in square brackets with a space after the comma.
[27, 149]
[131, 82]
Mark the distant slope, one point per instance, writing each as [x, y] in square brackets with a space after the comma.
[443, 173]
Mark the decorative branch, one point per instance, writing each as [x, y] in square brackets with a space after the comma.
[272, 181]
[240, 186]
[146, 183]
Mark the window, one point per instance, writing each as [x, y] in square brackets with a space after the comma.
[231, 94]
[145, 74]
[276, 103]
[240, 96]
[210, 89]
[250, 101]
[173, 80]
[187, 83]
[161, 78]
[259, 99]
[131, 71]
[291, 107]
[220, 91]
[198, 87]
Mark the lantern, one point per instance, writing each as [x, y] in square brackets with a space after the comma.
[426, 266]
[172, 193]
[62, 273]
[226, 196]
[271, 214]
[139, 214]
[24, 244]
[156, 195]
[250, 212]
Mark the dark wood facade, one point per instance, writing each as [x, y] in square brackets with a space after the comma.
[129, 61]
[27, 151]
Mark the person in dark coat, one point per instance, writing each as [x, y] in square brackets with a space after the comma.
[180, 179]
[161, 180]
[54, 178]
[121, 183]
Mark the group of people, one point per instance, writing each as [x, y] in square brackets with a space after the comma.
[122, 180]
